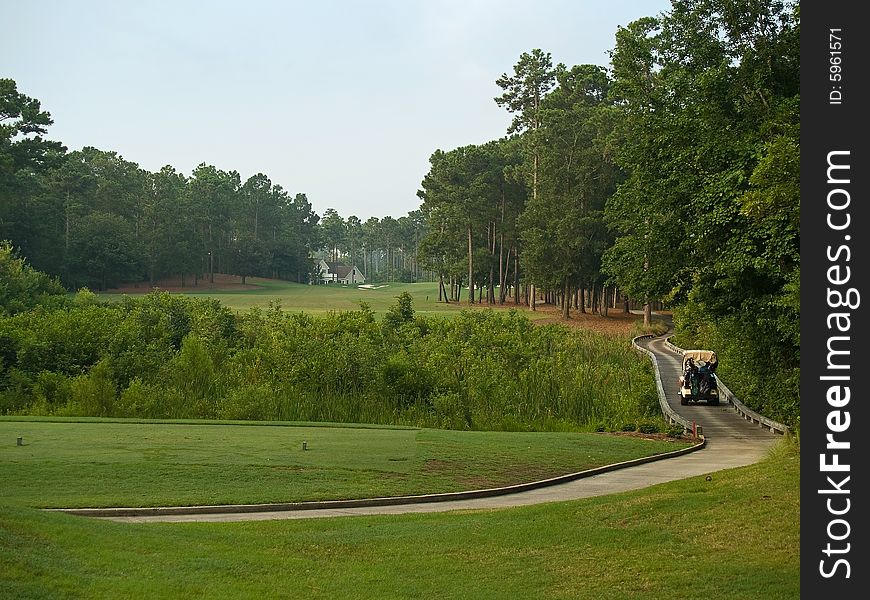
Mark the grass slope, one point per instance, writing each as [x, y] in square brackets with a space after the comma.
[318, 299]
[70, 463]
[734, 537]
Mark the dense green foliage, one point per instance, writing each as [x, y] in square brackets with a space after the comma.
[167, 356]
[735, 537]
[709, 215]
[674, 176]
[21, 286]
[471, 200]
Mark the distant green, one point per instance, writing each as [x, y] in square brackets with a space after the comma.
[319, 299]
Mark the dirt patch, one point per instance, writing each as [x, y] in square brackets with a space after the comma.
[222, 283]
[497, 475]
[661, 437]
[433, 465]
[455, 471]
[616, 322]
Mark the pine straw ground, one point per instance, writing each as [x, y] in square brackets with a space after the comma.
[222, 283]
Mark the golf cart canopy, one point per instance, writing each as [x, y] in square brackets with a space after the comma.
[699, 356]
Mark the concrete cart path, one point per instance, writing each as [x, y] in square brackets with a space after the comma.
[731, 442]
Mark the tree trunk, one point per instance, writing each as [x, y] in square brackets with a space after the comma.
[66, 224]
[503, 278]
[532, 299]
[490, 294]
[502, 268]
[535, 176]
[566, 301]
[647, 307]
[470, 268]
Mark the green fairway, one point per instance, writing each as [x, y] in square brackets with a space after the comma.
[69, 463]
[296, 297]
[736, 536]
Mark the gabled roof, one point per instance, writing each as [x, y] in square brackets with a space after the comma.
[339, 269]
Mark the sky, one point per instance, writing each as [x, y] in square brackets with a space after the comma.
[343, 101]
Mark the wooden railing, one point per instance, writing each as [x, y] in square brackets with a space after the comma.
[671, 416]
[741, 409]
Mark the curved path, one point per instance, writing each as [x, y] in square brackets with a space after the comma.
[731, 442]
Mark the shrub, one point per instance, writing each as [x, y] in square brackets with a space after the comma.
[649, 427]
[674, 430]
[481, 369]
[250, 402]
[136, 400]
[407, 381]
[92, 394]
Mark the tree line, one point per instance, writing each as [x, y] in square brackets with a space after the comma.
[94, 219]
[386, 249]
[670, 176]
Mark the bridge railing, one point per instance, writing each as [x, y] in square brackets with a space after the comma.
[740, 408]
[671, 416]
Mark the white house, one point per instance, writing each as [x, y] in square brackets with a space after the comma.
[331, 272]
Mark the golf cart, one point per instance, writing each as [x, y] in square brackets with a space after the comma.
[698, 379]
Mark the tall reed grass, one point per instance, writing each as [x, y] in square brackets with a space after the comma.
[480, 370]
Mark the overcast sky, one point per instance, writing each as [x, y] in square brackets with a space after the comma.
[344, 101]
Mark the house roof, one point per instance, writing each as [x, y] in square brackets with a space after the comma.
[339, 269]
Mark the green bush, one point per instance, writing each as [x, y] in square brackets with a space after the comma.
[249, 402]
[674, 430]
[180, 358]
[136, 400]
[649, 427]
[91, 395]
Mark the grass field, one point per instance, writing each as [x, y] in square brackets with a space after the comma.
[319, 299]
[126, 463]
[734, 537]
[324, 298]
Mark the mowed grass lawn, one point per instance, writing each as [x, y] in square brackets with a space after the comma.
[318, 299]
[736, 536]
[72, 463]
